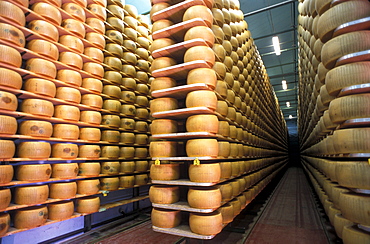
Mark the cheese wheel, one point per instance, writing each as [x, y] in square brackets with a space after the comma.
[93, 100]
[202, 123]
[163, 62]
[37, 107]
[6, 173]
[353, 234]
[112, 90]
[64, 170]
[94, 69]
[89, 151]
[202, 148]
[127, 167]
[163, 104]
[201, 99]
[30, 217]
[112, 121]
[12, 13]
[113, 62]
[196, 197]
[142, 113]
[109, 184]
[164, 194]
[48, 11]
[12, 34]
[64, 190]
[75, 10]
[142, 179]
[225, 170]
[343, 45]
[141, 139]
[347, 75]
[129, 57]
[165, 172]
[161, 43]
[74, 26]
[8, 125]
[349, 107]
[129, 70]
[110, 151]
[89, 169]
[128, 96]
[127, 181]
[144, 42]
[10, 78]
[45, 29]
[90, 134]
[112, 105]
[71, 59]
[128, 110]
[5, 223]
[98, 11]
[351, 140]
[141, 166]
[206, 223]
[67, 112]
[113, 76]
[88, 205]
[161, 24]
[40, 86]
[163, 126]
[72, 42]
[141, 152]
[163, 149]
[34, 150]
[31, 194]
[353, 207]
[96, 39]
[92, 84]
[8, 101]
[127, 138]
[126, 152]
[91, 117]
[33, 172]
[44, 48]
[202, 75]
[71, 77]
[227, 212]
[340, 14]
[64, 150]
[41, 67]
[66, 131]
[88, 187]
[205, 173]
[165, 218]
[68, 94]
[345, 170]
[199, 11]
[5, 197]
[110, 168]
[61, 210]
[339, 223]
[200, 53]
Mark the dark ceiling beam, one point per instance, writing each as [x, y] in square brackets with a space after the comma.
[269, 8]
[279, 65]
[275, 33]
[281, 75]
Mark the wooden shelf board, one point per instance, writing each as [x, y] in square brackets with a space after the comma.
[355, 89]
[180, 71]
[183, 206]
[180, 92]
[183, 113]
[182, 230]
[354, 57]
[356, 25]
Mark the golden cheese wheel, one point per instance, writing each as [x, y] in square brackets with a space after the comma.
[116, 23]
[201, 32]
[163, 104]
[141, 166]
[88, 204]
[339, 223]
[64, 150]
[94, 53]
[13, 13]
[5, 197]
[44, 48]
[126, 152]
[91, 117]
[34, 150]
[202, 123]
[224, 149]
[72, 42]
[141, 152]
[144, 42]
[205, 173]
[88, 187]
[68, 94]
[92, 84]
[127, 124]
[10, 78]
[202, 75]
[127, 167]
[353, 207]
[200, 53]
[8, 101]
[127, 138]
[206, 223]
[64, 190]
[115, 36]
[110, 168]
[353, 234]
[64, 170]
[110, 151]
[48, 11]
[142, 179]
[37, 107]
[41, 67]
[109, 184]
[31, 194]
[128, 96]
[225, 170]
[162, 62]
[199, 11]
[349, 107]
[110, 136]
[129, 57]
[66, 131]
[127, 181]
[157, 7]
[164, 194]
[74, 26]
[30, 217]
[128, 110]
[71, 59]
[112, 105]
[141, 139]
[352, 140]
[96, 39]
[71, 77]
[40, 86]
[12, 34]
[165, 218]
[33, 172]
[36, 128]
[94, 69]
[61, 210]
[90, 134]
[202, 148]
[161, 24]
[93, 100]
[6, 173]
[165, 172]
[227, 212]
[89, 151]
[163, 149]
[201, 99]
[161, 43]
[197, 195]
[163, 126]
[45, 29]
[67, 112]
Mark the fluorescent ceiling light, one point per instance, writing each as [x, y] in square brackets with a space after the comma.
[290, 116]
[276, 44]
[288, 104]
[284, 85]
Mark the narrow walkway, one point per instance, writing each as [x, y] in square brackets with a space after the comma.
[290, 216]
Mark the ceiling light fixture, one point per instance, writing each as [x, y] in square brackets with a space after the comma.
[284, 84]
[288, 104]
[290, 116]
[276, 44]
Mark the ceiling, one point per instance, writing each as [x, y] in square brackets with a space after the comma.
[268, 18]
